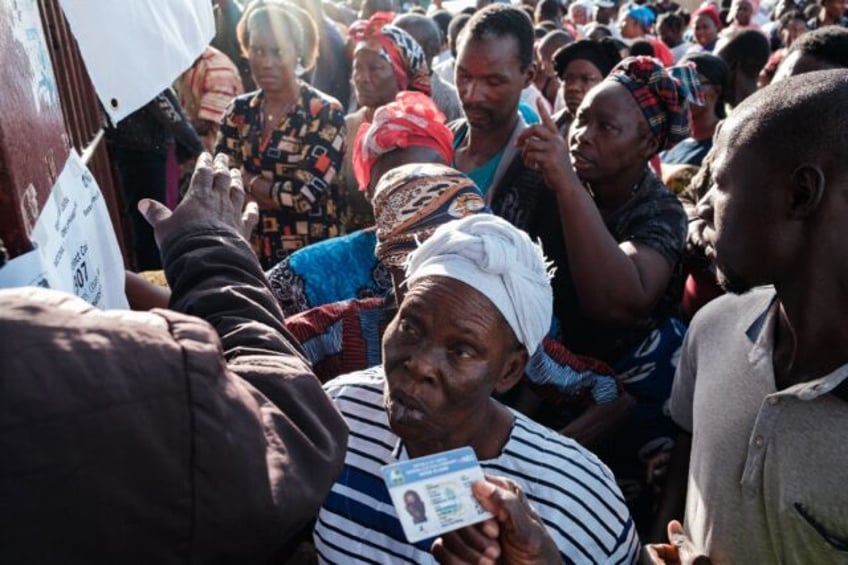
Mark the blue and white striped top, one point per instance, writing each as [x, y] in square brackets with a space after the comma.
[572, 491]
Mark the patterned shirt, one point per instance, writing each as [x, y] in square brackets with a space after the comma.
[302, 156]
[572, 491]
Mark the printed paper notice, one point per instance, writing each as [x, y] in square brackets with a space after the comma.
[76, 248]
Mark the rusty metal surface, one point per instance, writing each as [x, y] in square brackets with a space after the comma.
[47, 105]
[84, 120]
[33, 144]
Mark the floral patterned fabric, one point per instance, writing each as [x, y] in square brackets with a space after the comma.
[301, 156]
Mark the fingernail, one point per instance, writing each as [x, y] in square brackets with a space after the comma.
[143, 206]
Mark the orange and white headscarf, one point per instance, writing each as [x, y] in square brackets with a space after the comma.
[396, 46]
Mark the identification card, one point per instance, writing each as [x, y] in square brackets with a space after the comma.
[432, 495]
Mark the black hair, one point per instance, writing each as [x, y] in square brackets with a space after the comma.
[812, 10]
[716, 72]
[549, 10]
[443, 19]
[642, 47]
[672, 20]
[748, 51]
[828, 44]
[423, 30]
[456, 25]
[297, 23]
[799, 119]
[370, 7]
[603, 54]
[558, 38]
[789, 17]
[502, 20]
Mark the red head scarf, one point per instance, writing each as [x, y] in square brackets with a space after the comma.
[412, 120]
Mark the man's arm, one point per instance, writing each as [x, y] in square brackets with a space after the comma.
[290, 436]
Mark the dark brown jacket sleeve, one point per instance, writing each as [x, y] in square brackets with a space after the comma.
[269, 442]
[147, 437]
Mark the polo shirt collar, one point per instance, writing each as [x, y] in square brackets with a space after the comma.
[761, 331]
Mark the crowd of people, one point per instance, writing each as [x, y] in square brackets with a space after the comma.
[508, 228]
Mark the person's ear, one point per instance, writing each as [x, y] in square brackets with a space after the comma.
[807, 186]
[513, 370]
[650, 145]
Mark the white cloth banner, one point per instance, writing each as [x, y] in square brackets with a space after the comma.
[76, 248]
[134, 49]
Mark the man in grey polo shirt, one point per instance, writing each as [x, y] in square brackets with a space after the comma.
[761, 384]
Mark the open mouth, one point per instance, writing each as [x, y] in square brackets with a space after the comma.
[405, 408]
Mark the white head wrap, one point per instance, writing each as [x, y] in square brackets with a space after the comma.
[499, 260]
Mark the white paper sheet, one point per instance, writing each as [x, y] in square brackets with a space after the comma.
[24, 270]
[134, 49]
[76, 247]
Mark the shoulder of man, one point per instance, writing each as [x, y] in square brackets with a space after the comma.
[733, 311]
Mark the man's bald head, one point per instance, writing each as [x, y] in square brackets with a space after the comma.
[424, 30]
[824, 48]
[780, 186]
[803, 119]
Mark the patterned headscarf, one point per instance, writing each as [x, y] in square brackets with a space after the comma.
[396, 46]
[412, 120]
[411, 201]
[662, 94]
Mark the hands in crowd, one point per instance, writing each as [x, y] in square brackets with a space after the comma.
[216, 192]
[543, 148]
[681, 550]
[515, 536]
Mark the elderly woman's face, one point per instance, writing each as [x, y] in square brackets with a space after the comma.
[444, 353]
[374, 81]
[272, 57]
[609, 137]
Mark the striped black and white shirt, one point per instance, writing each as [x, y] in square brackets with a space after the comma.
[572, 491]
